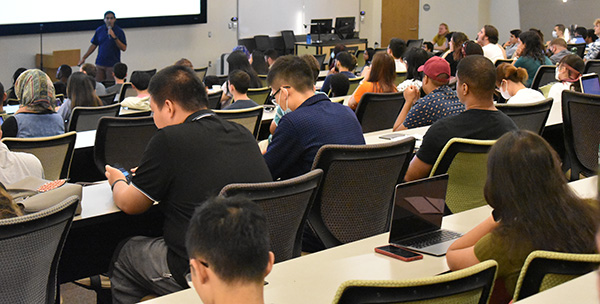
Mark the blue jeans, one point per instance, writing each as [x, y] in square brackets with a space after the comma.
[140, 270]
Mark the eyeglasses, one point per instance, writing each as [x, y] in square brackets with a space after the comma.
[272, 96]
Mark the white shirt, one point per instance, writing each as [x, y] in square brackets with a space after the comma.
[15, 166]
[493, 52]
[400, 66]
[526, 95]
[408, 82]
[556, 93]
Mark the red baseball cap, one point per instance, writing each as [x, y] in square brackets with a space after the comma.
[434, 67]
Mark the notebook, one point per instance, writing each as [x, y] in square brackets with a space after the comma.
[590, 84]
[417, 216]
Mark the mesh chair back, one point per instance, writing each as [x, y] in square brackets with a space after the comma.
[108, 99]
[214, 99]
[577, 48]
[545, 269]
[360, 60]
[121, 141]
[354, 83]
[289, 41]
[249, 118]
[127, 90]
[107, 83]
[582, 131]
[416, 43]
[501, 61]
[151, 72]
[263, 42]
[543, 76]
[86, 118]
[378, 111]
[355, 197]
[320, 59]
[286, 204]
[592, 66]
[31, 248]
[400, 77]
[263, 79]
[201, 72]
[54, 152]
[465, 161]
[222, 79]
[470, 285]
[259, 95]
[528, 116]
[352, 50]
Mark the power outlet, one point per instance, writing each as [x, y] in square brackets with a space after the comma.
[210, 64]
[209, 34]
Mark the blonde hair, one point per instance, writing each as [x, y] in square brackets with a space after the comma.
[8, 209]
[597, 21]
[510, 72]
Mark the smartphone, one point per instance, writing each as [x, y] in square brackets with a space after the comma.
[399, 253]
[125, 172]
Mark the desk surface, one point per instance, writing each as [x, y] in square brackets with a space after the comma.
[581, 290]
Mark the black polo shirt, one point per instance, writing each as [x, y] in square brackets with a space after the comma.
[185, 164]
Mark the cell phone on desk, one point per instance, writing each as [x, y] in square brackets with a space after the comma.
[393, 136]
[398, 253]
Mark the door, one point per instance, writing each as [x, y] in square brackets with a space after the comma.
[400, 19]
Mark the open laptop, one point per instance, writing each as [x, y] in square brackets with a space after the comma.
[417, 216]
[590, 84]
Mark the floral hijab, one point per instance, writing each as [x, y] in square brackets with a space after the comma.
[35, 91]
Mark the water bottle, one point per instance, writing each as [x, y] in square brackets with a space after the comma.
[308, 39]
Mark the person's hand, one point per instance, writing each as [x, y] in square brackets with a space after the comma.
[82, 61]
[111, 33]
[331, 71]
[411, 94]
[113, 174]
[366, 72]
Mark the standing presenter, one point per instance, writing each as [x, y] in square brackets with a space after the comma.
[110, 40]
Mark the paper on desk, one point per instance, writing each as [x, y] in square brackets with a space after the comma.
[426, 205]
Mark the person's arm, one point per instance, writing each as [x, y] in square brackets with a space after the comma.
[122, 46]
[87, 54]
[285, 150]
[10, 127]
[461, 254]
[417, 169]
[411, 95]
[357, 95]
[126, 196]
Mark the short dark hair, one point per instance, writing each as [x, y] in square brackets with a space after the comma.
[592, 34]
[479, 73]
[110, 12]
[346, 59]
[271, 53]
[293, 70]
[232, 235]
[398, 47]
[472, 48]
[491, 32]
[516, 32]
[18, 73]
[120, 70]
[90, 69]
[64, 71]
[340, 85]
[581, 31]
[178, 84]
[428, 46]
[559, 41]
[240, 81]
[140, 80]
[561, 27]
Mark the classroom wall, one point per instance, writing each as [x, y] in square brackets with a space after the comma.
[370, 27]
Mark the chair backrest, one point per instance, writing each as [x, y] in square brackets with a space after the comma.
[352, 50]
[528, 116]
[86, 118]
[127, 90]
[31, 249]
[286, 204]
[545, 269]
[108, 83]
[355, 197]
[470, 285]
[289, 41]
[151, 72]
[577, 48]
[377, 50]
[416, 43]
[249, 117]
[54, 152]
[378, 111]
[582, 132]
[592, 66]
[465, 161]
[121, 141]
[360, 59]
[263, 79]
[259, 95]
[201, 72]
[214, 99]
[263, 42]
[501, 61]
[320, 59]
[400, 77]
[354, 83]
[108, 99]
[543, 76]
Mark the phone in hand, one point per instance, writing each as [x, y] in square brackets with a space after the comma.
[125, 172]
[398, 253]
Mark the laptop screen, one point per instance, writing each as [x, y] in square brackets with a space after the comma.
[418, 207]
[590, 84]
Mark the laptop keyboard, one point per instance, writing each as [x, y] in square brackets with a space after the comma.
[431, 238]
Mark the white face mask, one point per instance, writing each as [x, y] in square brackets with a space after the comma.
[554, 35]
[505, 94]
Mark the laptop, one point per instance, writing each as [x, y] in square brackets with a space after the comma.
[590, 84]
[417, 216]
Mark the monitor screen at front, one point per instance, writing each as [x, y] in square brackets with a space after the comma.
[321, 26]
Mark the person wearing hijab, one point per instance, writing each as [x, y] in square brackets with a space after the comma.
[36, 116]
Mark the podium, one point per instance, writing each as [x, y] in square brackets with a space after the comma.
[53, 61]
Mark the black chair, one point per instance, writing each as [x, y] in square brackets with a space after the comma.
[289, 41]
[31, 249]
[352, 50]
[86, 118]
[214, 100]
[201, 72]
[378, 50]
[577, 49]
[378, 111]
[263, 42]
[321, 60]
[108, 99]
[501, 61]
[543, 76]
[127, 90]
[108, 83]
[592, 66]
[286, 204]
[248, 117]
[151, 72]
[582, 132]
[416, 43]
[355, 197]
[528, 116]
[222, 79]
[121, 141]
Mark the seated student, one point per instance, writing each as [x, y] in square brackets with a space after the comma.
[81, 94]
[36, 116]
[228, 247]
[344, 64]
[488, 39]
[441, 101]
[338, 48]
[396, 49]
[558, 47]
[258, 63]
[471, 48]
[368, 56]
[534, 209]
[568, 72]
[340, 84]
[15, 166]
[594, 48]
[191, 157]
[119, 73]
[561, 32]
[62, 74]
[239, 81]
[589, 40]
[531, 54]
[8, 209]
[428, 46]
[238, 60]
[415, 58]
[311, 120]
[90, 70]
[379, 78]
[439, 40]
[475, 83]
[579, 35]
[139, 81]
[510, 79]
[271, 55]
[11, 94]
[455, 53]
[513, 43]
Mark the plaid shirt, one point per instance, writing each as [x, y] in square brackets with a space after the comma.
[594, 50]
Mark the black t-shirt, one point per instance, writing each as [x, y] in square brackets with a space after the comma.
[185, 164]
[472, 124]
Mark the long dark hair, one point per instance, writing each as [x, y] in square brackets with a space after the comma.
[383, 73]
[533, 46]
[259, 64]
[239, 61]
[81, 92]
[531, 197]
[458, 38]
[415, 57]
